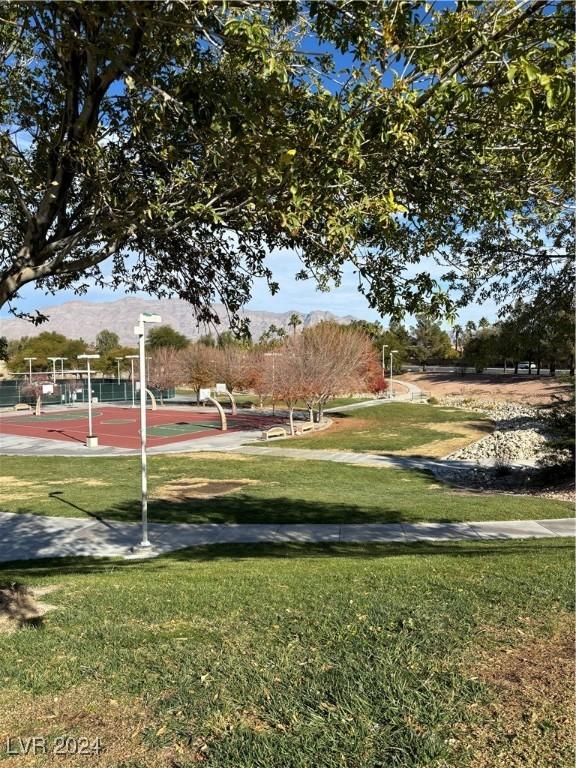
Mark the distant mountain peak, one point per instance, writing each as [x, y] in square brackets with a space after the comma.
[85, 319]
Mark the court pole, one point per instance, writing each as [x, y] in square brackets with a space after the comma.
[145, 541]
[139, 330]
[91, 440]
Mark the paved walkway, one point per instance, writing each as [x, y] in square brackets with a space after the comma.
[27, 537]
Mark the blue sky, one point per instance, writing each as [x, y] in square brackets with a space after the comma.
[298, 295]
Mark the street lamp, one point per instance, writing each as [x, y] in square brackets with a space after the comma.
[118, 361]
[140, 330]
[30, 366]
[91, 440]
[392, 352]
[53, 359]
[132, 358]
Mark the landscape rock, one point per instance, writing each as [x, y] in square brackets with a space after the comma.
[506, 458]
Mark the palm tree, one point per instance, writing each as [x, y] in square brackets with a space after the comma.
[457, 332]
[483, 324]
[294, 322]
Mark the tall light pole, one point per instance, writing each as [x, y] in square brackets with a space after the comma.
[62, 376]
[91, 440]
[132, 358]
[139, 330]
[30, 366]
[392, 352]
[53, 359]
[118, 361]
[384, 348]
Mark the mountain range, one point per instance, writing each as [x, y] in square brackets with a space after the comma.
[85, 319]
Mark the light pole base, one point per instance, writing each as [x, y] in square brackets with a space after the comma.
[92, 441]
[141, 551]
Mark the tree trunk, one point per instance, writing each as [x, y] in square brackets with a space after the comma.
[311, 412]
[552, 367]
[538, 366]
[291, 417]
[516, 369]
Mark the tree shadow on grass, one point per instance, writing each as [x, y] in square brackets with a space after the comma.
[34, 570]
[242, 508]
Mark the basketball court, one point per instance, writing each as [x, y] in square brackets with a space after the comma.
[120, 427]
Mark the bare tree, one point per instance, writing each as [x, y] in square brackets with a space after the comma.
[232, 366]
[337, 359]
[165, 370]
[292, 382]
[198, 365]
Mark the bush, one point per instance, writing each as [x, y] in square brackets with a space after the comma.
[561, 448]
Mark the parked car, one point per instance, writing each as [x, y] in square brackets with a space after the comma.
[526, 366]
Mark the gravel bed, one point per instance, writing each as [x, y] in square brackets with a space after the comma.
[509, 458]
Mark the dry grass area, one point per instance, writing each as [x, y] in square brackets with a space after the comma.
[85, 712]
[470, 432]
[529, 722]
[525, 389]
[14, 488]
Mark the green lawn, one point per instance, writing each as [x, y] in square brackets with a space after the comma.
[277, 491]
[388, 427]
[293, 657]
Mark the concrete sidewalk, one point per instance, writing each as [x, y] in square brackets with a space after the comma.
[28, 537]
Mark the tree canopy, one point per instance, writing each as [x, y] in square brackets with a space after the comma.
[106, 342]
[47, 344]
[166, 336]
[168, 147]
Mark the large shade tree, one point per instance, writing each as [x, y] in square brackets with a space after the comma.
[168, 146]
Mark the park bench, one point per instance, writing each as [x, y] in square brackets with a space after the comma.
[22, 407]
[307, 428]
[274, 432]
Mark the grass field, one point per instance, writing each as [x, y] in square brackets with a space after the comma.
[265, 490]
[392, 427]
[290, 657]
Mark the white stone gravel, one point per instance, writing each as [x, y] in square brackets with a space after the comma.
[500, 460]
[520, 435]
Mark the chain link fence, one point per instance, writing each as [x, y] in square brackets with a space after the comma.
[72, 392]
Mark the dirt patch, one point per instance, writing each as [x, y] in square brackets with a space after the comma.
[214, 455]
[19, 607]
[121, 725]
[470, 432]
[529, 390]
[199, 488]
[529, 721]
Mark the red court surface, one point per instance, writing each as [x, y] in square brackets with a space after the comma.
[120, 427]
